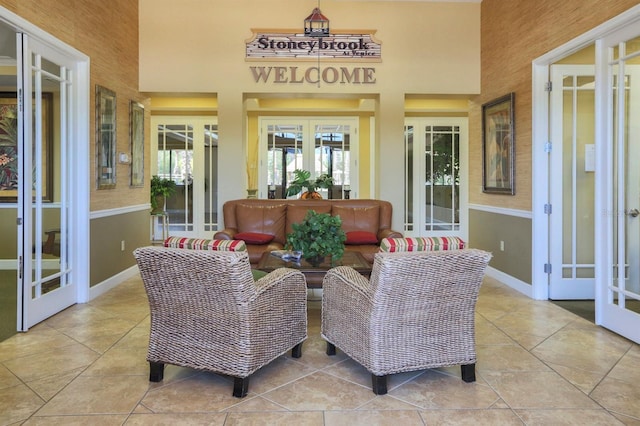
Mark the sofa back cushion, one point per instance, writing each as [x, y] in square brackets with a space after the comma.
[296, 213]
[204, 244]
[262, 219]
[358, 218]
[421, 244]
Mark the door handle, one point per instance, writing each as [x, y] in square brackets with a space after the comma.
[633, 212]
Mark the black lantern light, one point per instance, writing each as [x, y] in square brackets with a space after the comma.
[316, 24]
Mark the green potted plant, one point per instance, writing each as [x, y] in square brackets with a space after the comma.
[303, 180]
[160, 189]
[317, 236]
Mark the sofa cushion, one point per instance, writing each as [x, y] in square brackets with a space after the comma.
[358, 218]
[295, 214]
[254, 237]
[361, 237]
[264, 219]
[421, 244]
[204, 244]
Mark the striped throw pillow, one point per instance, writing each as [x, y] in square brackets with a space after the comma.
[421, 244]
[204, 244]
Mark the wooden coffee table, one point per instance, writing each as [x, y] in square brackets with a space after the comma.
[315, 274]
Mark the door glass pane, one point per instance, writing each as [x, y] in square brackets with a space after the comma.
[442, 189]
[211, 177]
[408, 178]
[175, 162]
[332, 156]
[284, 155]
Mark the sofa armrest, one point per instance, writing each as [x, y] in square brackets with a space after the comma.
[225, 234]
[388, 233]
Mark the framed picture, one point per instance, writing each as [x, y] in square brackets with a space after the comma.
[105, 138]
[498, 146]
[9, 148]
[136, 137]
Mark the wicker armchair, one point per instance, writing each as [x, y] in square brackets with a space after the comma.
[416, 312]
[207, 312]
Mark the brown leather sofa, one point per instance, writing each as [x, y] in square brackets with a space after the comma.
[264, 224]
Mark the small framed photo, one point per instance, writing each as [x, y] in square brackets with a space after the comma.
[498, 146]
[105, 138]
[136, 136]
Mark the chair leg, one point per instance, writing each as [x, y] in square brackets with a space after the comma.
[468, 372]
[240, 386]
[156, 371]
[379, 384]
[296, 352]
[331, 349]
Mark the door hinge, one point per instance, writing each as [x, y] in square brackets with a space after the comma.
[548, 86]
[547, 268]
[547, 209]
[20, 100]
[20, 266]
[19, 221]
[547, 147]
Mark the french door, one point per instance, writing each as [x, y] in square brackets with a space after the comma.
[319, 145]
[185, 150]
[435, 185]
[618, 184]
[572, 194]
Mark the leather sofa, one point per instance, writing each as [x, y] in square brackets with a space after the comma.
[264, 223]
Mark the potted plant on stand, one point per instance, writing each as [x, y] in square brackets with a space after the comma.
[160, 189]
[318, 235]
[303, 180]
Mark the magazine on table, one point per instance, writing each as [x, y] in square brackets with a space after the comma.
[287, 255]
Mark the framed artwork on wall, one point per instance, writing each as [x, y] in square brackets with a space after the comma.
[105, 138]
[136, 136]
[498, 146]
[9, 148]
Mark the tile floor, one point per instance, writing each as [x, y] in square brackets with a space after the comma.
[537, 365]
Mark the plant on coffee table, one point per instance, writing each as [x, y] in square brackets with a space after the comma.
[317, 236]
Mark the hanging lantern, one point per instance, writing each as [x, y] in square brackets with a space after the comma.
[316, 24]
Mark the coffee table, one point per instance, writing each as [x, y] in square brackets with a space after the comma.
[315, 274]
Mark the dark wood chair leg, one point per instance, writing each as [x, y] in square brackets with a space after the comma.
[468, 373]
[240, 386]
[331, 349]
[379, 384]
[296, 352]
[156, 371]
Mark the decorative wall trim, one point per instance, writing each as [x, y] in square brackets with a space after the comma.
[510, 281]
[120, 210]
[112, 282]
[501, 210]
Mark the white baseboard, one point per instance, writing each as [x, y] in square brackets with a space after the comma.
[112, 282]
[510, 281]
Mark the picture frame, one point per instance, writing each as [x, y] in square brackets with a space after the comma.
[105, 138]
[498, 143]
[136, 137]
[9, 147]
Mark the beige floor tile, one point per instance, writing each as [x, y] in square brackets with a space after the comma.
[489, 334]
[627, 368]
[54, 362]
[619, 396]
[368, 418]
[98, 420]
[387, 402]
[253, 404]
[40, 338]
[354, 372]
[537, 390]
[281, 371]
[97, 395]
[586, 381]
[7, 378]
[506, 358]
[120, 361]
[17, 403]
[137, 337]
[626, 420]
[208, 419]
[203, 392]
[502, 417]
[320, 391]
[49, 386]
[434, 390]
[270, 418]
[567, 417]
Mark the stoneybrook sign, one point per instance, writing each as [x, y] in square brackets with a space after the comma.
[290, 46]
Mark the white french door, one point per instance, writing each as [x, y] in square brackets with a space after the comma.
[319, 145]
[185, 150]
[618, 184]
[435, 183]
[572, 192]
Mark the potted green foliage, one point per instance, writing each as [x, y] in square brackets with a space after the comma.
[303, 180]
[160, 189]
[317, 236]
